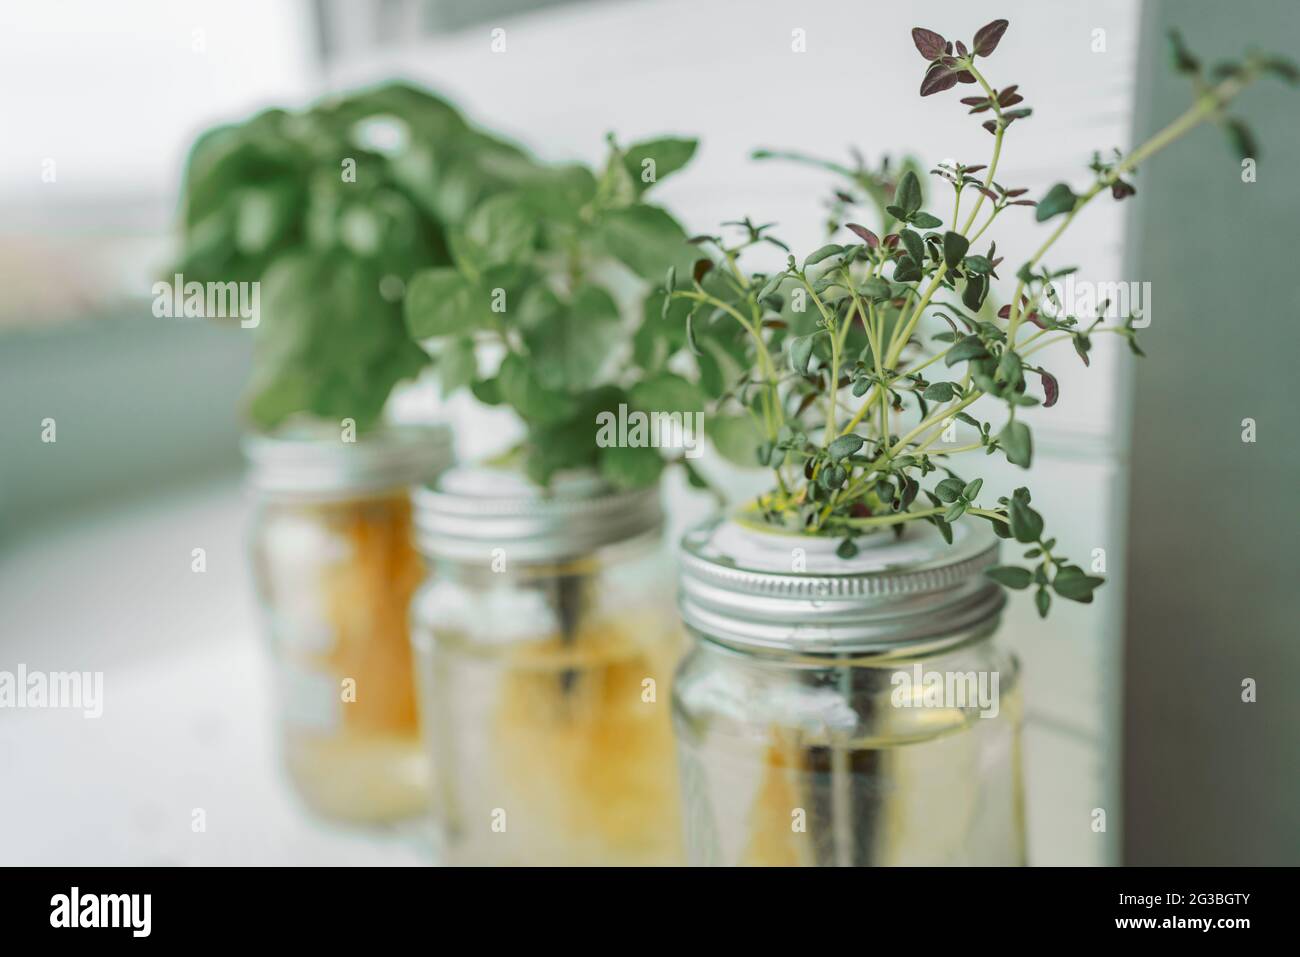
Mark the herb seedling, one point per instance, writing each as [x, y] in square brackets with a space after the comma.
[822, 373]
[531, 295]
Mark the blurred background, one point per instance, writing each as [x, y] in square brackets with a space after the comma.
[1134, 704]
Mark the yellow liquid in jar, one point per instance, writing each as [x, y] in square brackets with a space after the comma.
[337, 587]
[558, 752]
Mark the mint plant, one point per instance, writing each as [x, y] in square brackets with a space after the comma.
[838, 381]
[548, 307]
[332, 209]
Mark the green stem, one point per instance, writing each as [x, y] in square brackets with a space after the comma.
[1026, 353]
[997, 146]
[894, 519]
[764, 356]
[1206, 105]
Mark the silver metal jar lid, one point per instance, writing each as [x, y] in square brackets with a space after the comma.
[468, 512]
[311, 460]
[750, 586]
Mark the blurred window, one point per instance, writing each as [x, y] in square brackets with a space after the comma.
[350, 28]
[102, 102]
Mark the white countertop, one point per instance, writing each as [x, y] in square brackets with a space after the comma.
[187, 710]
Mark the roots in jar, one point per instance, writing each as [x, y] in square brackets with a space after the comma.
[368, 596]
[836, 789]
[594, 758]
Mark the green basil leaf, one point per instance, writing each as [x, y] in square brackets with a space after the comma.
[645, 239]
[442, 302]
[649, 161]
[628, 467]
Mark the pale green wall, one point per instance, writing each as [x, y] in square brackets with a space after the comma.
[1214, 578]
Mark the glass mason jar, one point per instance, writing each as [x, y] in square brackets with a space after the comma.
[545, 645]
[335, 565]
[846, 712]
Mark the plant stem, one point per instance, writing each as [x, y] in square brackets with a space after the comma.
[936, 419]
[828, 433]
[997, 146]
[894, 519]
[1025, 354]
[1209, 103]
[764, 356]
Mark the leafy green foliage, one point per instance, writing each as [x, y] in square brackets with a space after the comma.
[333, 209]
[540, 276]
[823, 366]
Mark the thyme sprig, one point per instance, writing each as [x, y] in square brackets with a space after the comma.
[841, 391]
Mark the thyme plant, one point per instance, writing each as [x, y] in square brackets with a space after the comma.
[844, 386]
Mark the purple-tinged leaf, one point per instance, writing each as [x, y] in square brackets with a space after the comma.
[866, 235]
[961, 49]
[937, 79]
[928, 43]
[974, 100]
[1051, 388]
[1120, 189]
[988, 36]
[990, 125]
[965, 76]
